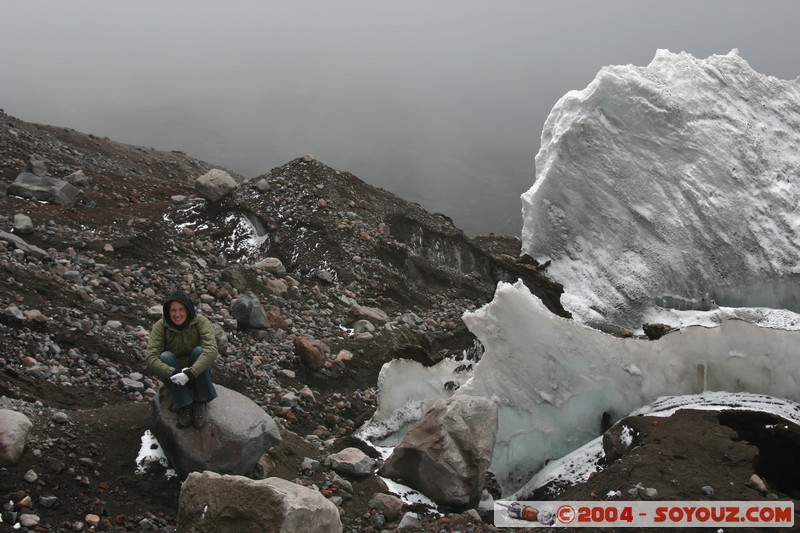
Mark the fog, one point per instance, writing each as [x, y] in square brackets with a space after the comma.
[440, 101]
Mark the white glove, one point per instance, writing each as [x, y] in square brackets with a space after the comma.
[180, 379]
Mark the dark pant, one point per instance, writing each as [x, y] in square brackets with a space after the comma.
[198, 390]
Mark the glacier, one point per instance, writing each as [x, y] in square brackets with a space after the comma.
[666, 193]
[673, 185]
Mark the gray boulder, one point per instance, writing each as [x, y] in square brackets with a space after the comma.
[78, 178]
[215, 184]
[37, 164]
[23, 225]
[233, 275]
[352, 461]
[273, 265]
[447, 453]
[14, 429]
[43, 188]
[210, 503]
[237, 432]
[361, 312]
[248, 311]
[20, 244]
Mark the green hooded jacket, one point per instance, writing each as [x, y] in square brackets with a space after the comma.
[167, 337]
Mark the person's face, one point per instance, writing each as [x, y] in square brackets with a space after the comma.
[177, 313]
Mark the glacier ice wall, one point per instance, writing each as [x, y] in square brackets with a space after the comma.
[553, 378]
[672, 184]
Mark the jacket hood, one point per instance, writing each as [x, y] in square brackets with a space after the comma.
[180, 297]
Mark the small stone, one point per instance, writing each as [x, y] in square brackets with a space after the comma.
[29, 520]
[757, 483]
[408, 521]
[60, 417]
[31, 476]
[706, 490]
[48, 501]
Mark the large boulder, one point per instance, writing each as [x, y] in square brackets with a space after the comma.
[14, 429]
[248, 311]
[237, 432]
[43, 189]
[215, 184]
[210, 503]
[447, 453]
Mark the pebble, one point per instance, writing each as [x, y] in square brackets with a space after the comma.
[60, 417]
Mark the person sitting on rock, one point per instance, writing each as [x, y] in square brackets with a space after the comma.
[181, 350]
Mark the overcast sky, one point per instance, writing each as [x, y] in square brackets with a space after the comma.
[439, 101]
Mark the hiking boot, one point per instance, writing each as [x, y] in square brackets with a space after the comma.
[185, 416]
[199, 415]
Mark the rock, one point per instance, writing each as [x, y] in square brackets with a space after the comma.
[23, 225]
[409, 520]
[210, 503]
[20, 244]
[14, 429]
[234, 276]
[277, 287]
[78, 178]
[132, 384]
[29, 520]
[655, 331]
[447, 453]
[248, 311]
[352, 461]
[313, 353]
[273, 265]
[387, 504]
[618, 439]
[43, 189]
[324, 275]
[757, 483]
[372, 314]
[60, 417]
[221, 338]
[363, 326]
[215, 184]
[13, 312]
[237, 432]
[36, 165]
[649, 493]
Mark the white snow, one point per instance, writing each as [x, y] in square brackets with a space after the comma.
[151, 452]
[670, 184]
